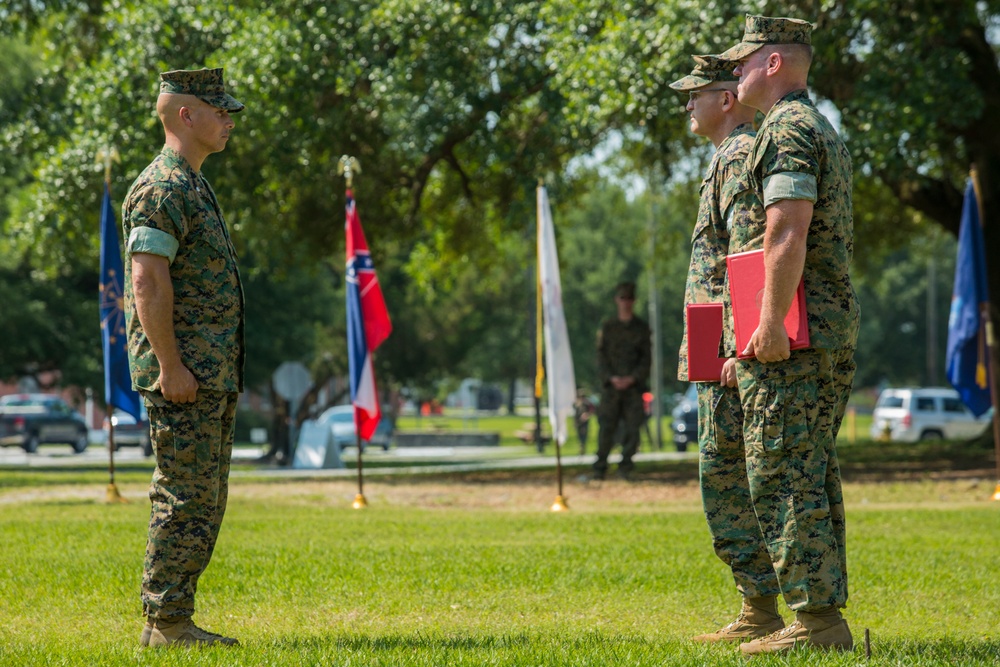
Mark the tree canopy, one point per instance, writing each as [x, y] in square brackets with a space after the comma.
[455, 110]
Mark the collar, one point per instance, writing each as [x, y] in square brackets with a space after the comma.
[174, 158]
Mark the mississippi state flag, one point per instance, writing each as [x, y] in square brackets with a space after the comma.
[367, 324]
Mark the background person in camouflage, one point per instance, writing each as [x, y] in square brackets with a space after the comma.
[623, 358]
[717, 115]
[184, 315]
[794, 401]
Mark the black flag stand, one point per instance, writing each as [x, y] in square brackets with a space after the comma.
[348, 166]
[990, 350]
[105, 157]
[359, 500]
[986, 324]
[112, 495]
[560, 502]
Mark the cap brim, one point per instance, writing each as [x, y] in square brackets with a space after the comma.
[227, 102]
[741, 51]
[690, 82]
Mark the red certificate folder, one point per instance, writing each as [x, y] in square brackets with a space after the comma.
[704, 330]
[746, 288]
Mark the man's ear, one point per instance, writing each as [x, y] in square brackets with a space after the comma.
[184, 113]
[774, 62]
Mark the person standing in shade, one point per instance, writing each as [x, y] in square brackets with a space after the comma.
[184, 315]
[717, 115]
[794, 401]
[623, 359]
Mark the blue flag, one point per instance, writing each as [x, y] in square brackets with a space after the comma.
[118, 391]
[967, 361]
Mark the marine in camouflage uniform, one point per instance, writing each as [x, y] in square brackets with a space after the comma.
[623, 351]
[794, 406]
[172, 212]
[725, 490]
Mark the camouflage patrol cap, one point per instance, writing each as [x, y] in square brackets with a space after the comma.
[205, 84]
[761, 30]
[707, 69]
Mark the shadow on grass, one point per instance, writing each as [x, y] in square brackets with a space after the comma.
[420, 641]
[515, 648]
[598, 648]
[868, 460]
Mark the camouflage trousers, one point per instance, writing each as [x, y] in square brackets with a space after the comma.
[793, 412]
[616, 407]
[725, 491]
[193, 443]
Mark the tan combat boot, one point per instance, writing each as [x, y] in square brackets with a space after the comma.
[824, 628]
[184, 632]
[759, 617]
[146, 630]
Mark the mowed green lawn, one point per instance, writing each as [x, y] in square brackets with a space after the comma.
[855, 427]
[474, 570]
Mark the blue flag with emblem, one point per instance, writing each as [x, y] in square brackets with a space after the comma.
[118, 391]
[967, 360]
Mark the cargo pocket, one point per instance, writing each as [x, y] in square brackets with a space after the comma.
[708, 407]
[789, 414]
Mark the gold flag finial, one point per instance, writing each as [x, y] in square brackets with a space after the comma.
[348, 166]
[105, 157]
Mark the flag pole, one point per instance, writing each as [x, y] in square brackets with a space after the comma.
[986, 322]
[559, 504]
[348, 166]
[539, 345]
[359, 500]
[105, 157]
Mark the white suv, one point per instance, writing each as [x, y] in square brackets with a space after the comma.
[909, 415]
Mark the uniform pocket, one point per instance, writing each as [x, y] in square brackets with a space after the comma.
[784, 414]
[737, 200]
[178, 439]
[708, 404]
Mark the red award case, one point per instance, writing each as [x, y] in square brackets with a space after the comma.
[746, 289]
[704, 331]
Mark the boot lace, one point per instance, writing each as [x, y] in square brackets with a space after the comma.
[784, 632]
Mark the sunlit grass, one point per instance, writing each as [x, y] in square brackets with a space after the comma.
[485, 577]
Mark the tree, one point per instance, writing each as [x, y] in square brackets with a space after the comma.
[455, 110]
[445, 106]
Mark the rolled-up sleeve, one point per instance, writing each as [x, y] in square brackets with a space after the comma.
[789, 185]
[156, 221]
[152, 241]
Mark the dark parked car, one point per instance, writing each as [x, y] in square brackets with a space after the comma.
[684, 424]
[30, 420]
[129, 432]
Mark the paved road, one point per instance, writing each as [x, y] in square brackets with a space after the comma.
[54, 456]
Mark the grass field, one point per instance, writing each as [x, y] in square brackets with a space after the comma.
[473, 569]
[856, 427]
